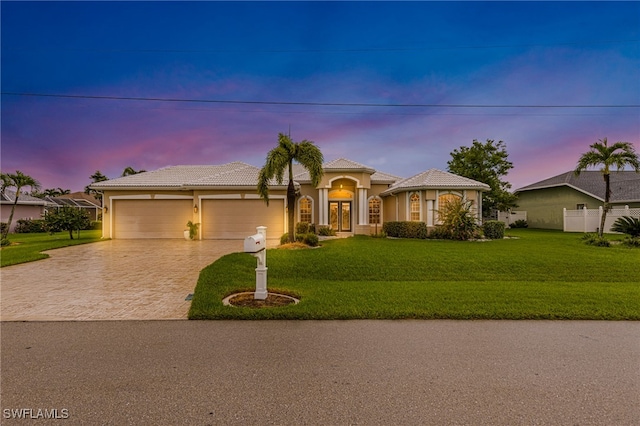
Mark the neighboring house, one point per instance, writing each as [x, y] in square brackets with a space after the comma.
[28, 207]
[78, 200]
[351, 198]
[544, 201]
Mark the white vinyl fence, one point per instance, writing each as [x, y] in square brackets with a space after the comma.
[588, 220]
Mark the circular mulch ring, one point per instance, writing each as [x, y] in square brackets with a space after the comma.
[246, 300]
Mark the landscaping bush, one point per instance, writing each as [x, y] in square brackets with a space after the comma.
[325, 231]
[284, 239]
[30, 226]
[595, 240]
[632, 242]
[302, 227]
[310, 239]
[405, 229]
[458, 219]
[3, 227]
[95, 225]
[493, 229]
[439, 233]
[520, 223]
[627, 225]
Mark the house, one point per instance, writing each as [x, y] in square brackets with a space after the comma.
[351, 198]
[544, 201]
[78, 200]
[28, 207]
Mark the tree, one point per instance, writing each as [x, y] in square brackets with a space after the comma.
[95, 178]
[280, 159]
[620, 155]
[17, 180]
[67, 218]
[50, 192]
[486, 163]
[128, 171]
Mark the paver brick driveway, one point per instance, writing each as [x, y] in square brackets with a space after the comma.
[109, 280]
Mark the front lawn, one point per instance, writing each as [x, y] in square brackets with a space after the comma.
[29, 247]
[538, 275]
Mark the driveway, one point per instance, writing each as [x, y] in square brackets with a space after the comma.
[109, 280]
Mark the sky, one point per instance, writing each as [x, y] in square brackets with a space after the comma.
[396, 86]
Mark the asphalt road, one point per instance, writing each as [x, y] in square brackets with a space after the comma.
[327, 372]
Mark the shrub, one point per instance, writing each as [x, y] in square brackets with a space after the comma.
[405, 229]
[325, 231]
[4, 242]
[302, 227]
[95, 224]
[458, 219]
[627, 225]
[3, 227]
[595, 240]
[631, 242]
[310, 239]
[493, 229]
[439, 233]
[30, 226]
[520, 223]
[284, 239]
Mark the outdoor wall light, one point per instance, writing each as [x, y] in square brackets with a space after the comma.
[106, 209]
[195, 208]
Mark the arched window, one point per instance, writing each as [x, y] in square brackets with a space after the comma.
[414, 207]
[375, 205]
[305, 208]
[445, 198]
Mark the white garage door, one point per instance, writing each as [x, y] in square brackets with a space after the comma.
[236, 219]
[151, 218]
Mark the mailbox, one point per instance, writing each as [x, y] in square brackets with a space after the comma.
[254, 243]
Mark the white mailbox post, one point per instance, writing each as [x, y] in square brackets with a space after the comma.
[256, 245]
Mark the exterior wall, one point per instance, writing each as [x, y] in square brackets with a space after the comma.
[544, 207]
[22, 212]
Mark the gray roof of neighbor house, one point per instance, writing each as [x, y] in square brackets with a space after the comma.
[236, 174]
[9, 196]
[625, 185]
[435, 179]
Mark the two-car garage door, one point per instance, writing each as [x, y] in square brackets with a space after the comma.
[221, 218]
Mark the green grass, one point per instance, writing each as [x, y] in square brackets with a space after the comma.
[539, 275]
[28, 247]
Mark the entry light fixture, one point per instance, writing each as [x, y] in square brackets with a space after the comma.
[106, 209]
[195, 208]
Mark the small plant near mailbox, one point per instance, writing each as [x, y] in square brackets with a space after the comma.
[193, 229]
[595, 240]
[520, 223]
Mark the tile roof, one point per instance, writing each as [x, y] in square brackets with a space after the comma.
[300, 174]
[435, 179]
[625, 185]
[9, 196]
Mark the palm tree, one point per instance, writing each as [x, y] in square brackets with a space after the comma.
[95, 178]
[620, 155]
[18, 180]
[281, 158]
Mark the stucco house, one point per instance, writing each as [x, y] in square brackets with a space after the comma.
[544, 201]
[28, 207]
[351, 198]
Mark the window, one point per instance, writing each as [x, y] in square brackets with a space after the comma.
[305, 210]
[374, 211]
[414, 207]
[581, 206]
[445, 198]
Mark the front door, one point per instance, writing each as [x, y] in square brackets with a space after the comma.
[340, 215]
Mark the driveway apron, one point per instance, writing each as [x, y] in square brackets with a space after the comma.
[109, 280]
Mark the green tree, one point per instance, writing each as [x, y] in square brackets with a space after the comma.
[128, 171]
[95, 178]
[17, 180]
[279, 160]
[67, 218]
[458, 220]
[619, 155]
[487, 163]
[50, 192]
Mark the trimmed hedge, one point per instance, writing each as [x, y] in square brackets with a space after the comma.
[406, 229]
[493, 229]
[30, 226]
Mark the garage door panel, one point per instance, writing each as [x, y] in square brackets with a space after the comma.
[235, 219]
[151, 218]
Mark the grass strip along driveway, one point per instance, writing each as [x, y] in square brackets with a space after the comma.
[537, 275]
[29, 247]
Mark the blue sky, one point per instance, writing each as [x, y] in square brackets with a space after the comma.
[440, 74]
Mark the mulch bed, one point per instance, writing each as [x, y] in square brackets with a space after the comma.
[272, 300]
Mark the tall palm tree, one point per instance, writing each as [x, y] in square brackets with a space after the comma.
[18, 180]
[620, 155]
[280, 159]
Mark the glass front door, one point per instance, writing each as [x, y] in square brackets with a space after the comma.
[340, 215]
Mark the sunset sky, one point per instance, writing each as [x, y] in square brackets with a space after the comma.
[396, 86]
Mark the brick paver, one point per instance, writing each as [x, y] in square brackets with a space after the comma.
[109, 280]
